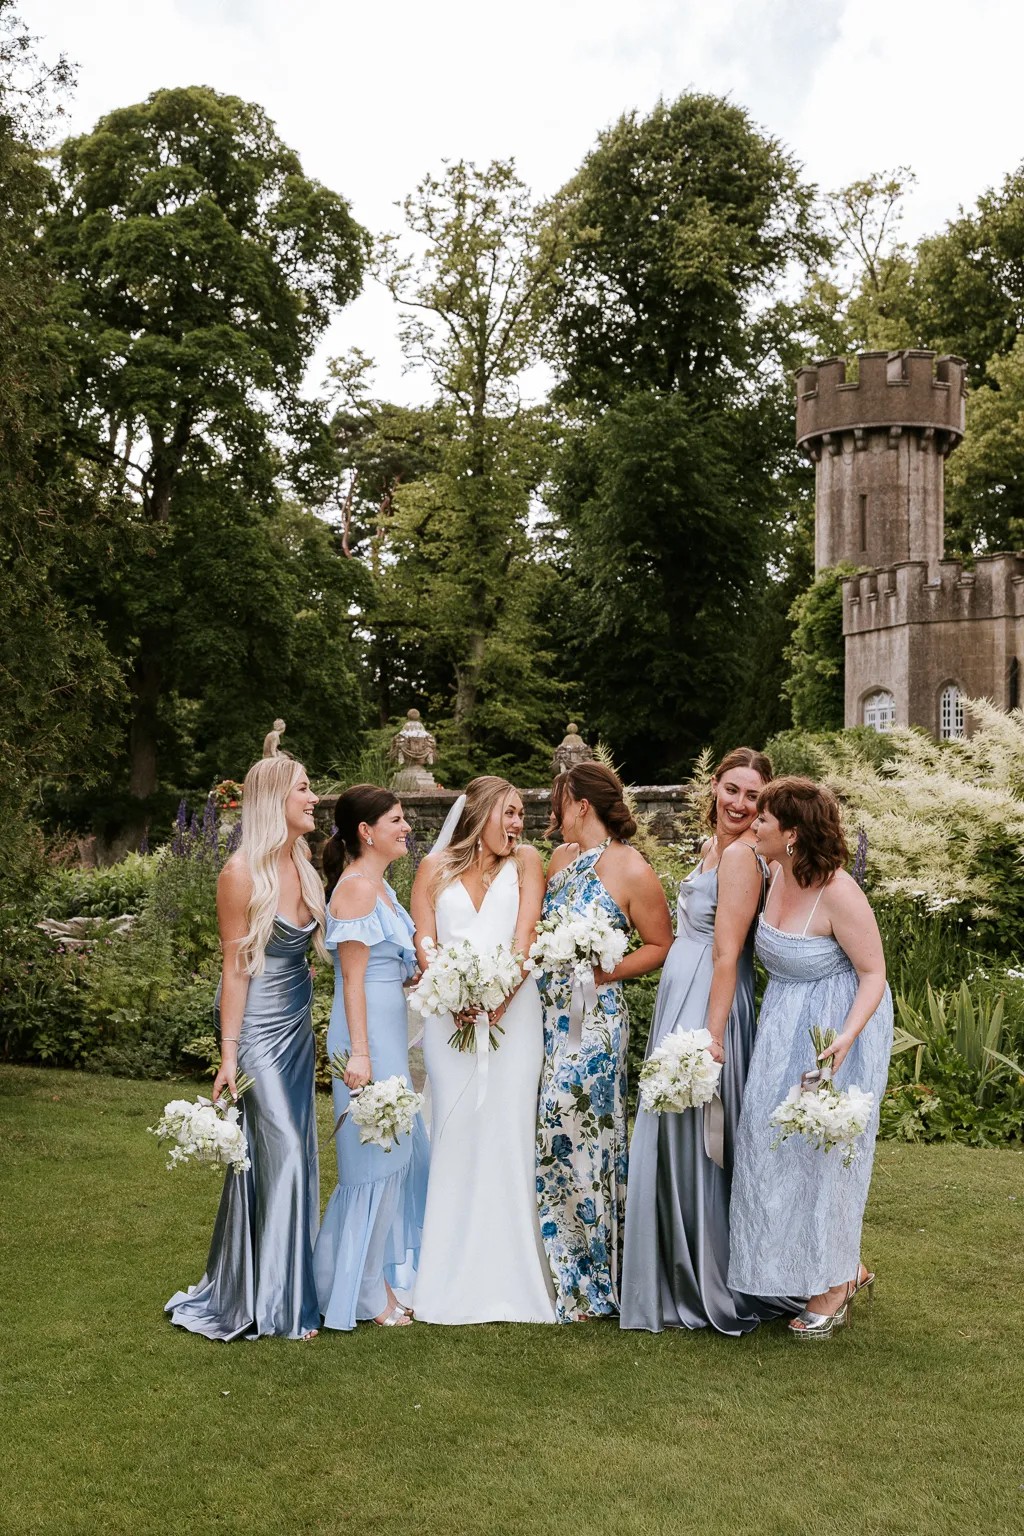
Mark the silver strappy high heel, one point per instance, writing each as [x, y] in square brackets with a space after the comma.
[818, 1326]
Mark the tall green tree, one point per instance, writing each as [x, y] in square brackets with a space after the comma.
[199, 268]
[815, 653]
[59, 684]
[462, 566]
[863, 299]
[668, 249]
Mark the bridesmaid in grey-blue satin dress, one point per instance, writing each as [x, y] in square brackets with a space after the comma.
[677, 1226]
[259, 1274]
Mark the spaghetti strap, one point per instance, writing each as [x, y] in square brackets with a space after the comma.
[803, 932]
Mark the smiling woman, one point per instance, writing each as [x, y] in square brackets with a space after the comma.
[370, 1238]
[270, 906]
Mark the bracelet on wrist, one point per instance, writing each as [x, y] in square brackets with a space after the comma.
[230, 1039]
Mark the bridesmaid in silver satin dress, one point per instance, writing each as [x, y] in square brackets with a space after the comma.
[270, 907]
[677, 1224]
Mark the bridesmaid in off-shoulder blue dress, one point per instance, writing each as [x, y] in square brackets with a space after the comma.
[370, 1234]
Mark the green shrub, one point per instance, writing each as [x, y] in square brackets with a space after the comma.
[956, 1074]
[108, 892]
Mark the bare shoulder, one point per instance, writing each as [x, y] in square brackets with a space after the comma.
[626, 863]
[355, 896]
[739, 855]
[530, 861]
[739, 866]
[844, 896]
[234, 881]
[563, 855]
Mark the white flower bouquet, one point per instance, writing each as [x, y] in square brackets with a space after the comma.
[828, 1117]
[580, 944]
[462, 979]
[680, 1073]
[205, 1132]
[383, 1110]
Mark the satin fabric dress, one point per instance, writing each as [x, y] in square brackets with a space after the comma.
[481, 1259]
[259, 1273]
[676, 1259]
[581, 1130]
[372, 1224]
[797, 1212]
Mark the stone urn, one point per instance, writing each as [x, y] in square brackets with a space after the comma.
[571, 750]
[414, 750]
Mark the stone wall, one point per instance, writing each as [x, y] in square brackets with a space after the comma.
[664, 803]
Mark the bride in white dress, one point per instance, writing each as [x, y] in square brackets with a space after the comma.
[481, 1257]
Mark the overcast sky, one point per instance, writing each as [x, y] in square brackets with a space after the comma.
[374, 95]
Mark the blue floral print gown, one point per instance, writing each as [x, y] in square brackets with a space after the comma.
[581, 1132]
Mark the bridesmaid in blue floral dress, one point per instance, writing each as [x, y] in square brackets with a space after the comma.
[796, 1211]
[581, 1136]
[370, 1236]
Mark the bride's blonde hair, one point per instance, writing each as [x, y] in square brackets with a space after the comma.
[482, 795]
[267, 786]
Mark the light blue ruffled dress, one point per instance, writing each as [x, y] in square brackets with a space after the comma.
[796, 1212]
[259, 1274]
[374, 1219]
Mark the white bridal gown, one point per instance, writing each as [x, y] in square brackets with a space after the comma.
[481, 1258]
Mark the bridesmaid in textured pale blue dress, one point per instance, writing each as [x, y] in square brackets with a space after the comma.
[370, 1237]
[581, 1132]
[797, 1212]
[676, 1256]
[259, 1274]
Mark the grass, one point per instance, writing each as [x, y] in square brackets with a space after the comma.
[113, 1421]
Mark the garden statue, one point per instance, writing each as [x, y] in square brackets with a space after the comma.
[414, 749]
[272, 740]
[572, 750]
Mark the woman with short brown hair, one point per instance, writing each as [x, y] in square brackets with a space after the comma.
[796, 1212]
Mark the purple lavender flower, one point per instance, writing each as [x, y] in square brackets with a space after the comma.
[180, 830]
[234, 837]
[860, 862]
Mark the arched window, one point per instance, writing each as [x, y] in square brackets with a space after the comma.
[951, 713]
[880, 710]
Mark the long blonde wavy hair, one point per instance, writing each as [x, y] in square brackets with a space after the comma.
[267, 786]
[482, 795]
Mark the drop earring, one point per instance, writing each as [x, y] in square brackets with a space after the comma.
[789, 850]
[369, 842]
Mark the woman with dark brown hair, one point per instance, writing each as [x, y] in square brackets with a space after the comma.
[797, 1211]
[680, 1165]
[370, 1237]
[581, 1138]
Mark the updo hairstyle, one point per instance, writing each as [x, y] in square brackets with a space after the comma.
[359, 803]
[603, 788]
[811, 813]
[739, 757]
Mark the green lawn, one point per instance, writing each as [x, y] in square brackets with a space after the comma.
[113, 1421]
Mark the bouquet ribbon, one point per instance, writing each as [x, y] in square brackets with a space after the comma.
[714, 1130]
[582, 1002]
[482, 1030]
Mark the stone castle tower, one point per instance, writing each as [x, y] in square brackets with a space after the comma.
[921, 633]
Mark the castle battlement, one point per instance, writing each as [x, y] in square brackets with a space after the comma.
[902, 593]
[913, 391]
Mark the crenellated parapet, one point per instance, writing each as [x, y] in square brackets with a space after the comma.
[895, 393]
[902, 594]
